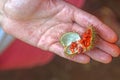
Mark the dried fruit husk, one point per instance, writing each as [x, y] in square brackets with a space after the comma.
[89, 39]
[67, 39]
[74, 44]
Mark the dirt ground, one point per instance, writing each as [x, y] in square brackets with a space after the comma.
[61, 69]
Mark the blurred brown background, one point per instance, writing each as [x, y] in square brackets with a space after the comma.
[61, 69]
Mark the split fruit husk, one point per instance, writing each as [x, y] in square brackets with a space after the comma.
[92, 39]
[68, 38]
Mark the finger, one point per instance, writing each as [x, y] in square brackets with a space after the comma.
[99, 56]
[111, 49]
[58, 49]
[77, 28]
[85, 19]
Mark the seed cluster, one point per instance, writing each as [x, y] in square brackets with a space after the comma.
[82, 44]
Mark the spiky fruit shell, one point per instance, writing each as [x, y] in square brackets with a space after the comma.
[92, 40]
[67, 51]
[66, 40]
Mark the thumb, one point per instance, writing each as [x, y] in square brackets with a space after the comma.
[21, 9]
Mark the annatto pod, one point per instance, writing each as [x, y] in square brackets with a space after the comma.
[88, 39]
[66, 41]
[73, 43]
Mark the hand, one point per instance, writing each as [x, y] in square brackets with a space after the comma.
[42, 22]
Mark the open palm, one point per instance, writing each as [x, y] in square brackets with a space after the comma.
[42, 22]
